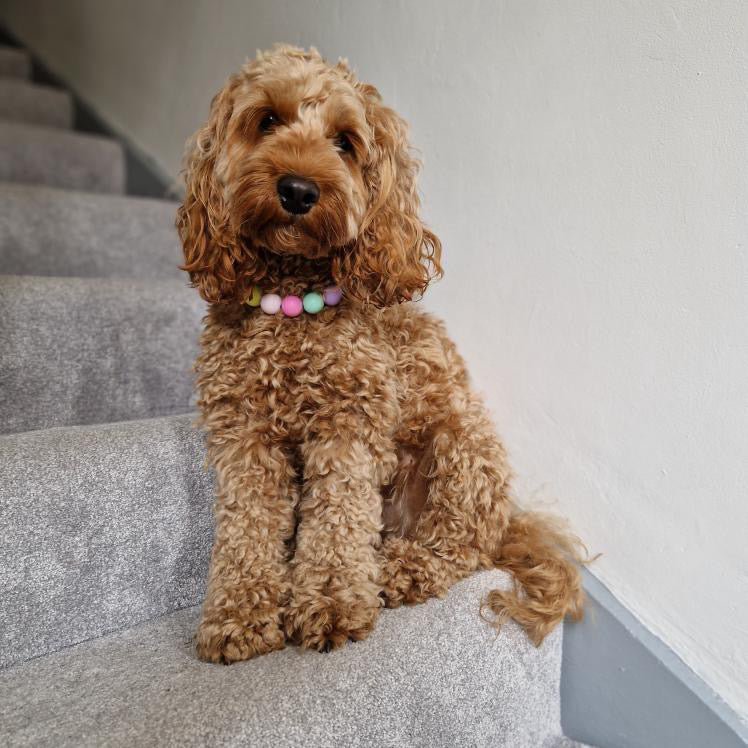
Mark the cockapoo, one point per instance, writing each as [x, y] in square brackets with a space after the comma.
[355, 467]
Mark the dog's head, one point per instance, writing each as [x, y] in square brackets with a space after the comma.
[299, 158]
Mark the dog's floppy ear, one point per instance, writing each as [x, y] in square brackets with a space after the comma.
[395, 257]
[214, 253]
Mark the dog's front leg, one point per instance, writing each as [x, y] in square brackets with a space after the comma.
[335, 571]
[248, 583]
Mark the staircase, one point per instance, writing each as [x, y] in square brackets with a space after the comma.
[105, 505]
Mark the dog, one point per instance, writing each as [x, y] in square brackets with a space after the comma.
[355, 467]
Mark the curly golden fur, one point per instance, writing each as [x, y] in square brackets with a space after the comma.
[355, 467]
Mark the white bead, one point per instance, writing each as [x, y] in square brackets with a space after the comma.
[270, 303]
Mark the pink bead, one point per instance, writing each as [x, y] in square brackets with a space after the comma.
[332, 296]
[292, 306]
[270, 303]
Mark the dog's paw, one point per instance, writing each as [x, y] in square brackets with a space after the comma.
[325, 623]
[233, 639]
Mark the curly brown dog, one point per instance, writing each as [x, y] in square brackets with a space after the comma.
[355, 467]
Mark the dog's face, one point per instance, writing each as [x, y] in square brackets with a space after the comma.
[292, 166]
[299, 158]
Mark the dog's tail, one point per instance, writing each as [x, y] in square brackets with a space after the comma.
[543, 558]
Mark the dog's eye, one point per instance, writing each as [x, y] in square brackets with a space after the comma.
[269, 121]
[343, 142]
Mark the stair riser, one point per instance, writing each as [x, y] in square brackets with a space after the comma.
[44, 155]
[35, 105]
[51, 232]
[76, 351]
[14, 63]
[101, 528]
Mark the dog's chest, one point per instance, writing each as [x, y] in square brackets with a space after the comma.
[295, 373]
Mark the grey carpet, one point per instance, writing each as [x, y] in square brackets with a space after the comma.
[77, 351]
[48, 231]
[429, 675]
[39, 105]
[14, 63]
[101, 527]
[55, 157]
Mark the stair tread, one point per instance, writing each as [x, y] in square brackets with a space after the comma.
[56, 232]
[432, 674]
[101, 527]
[14, 62]
[80, 351]
[31, 154]
[21, 101]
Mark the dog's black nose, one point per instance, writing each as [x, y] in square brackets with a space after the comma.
[297, 195]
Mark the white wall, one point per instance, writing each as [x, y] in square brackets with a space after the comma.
[586, 169]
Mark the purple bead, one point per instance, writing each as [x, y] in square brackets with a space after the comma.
[332, 296]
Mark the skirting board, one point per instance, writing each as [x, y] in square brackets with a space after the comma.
[622, 687]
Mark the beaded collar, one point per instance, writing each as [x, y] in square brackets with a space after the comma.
[291, 305]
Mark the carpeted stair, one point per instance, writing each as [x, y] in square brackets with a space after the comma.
[35, 105]
[32, 154]
[86, 350]
[105, 504]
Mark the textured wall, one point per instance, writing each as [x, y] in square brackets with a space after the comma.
[585, 167]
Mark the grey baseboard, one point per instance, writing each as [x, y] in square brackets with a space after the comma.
[144, 177]
[622, 687]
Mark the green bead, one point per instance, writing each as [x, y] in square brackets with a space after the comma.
[313, 302]
[254, 298]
